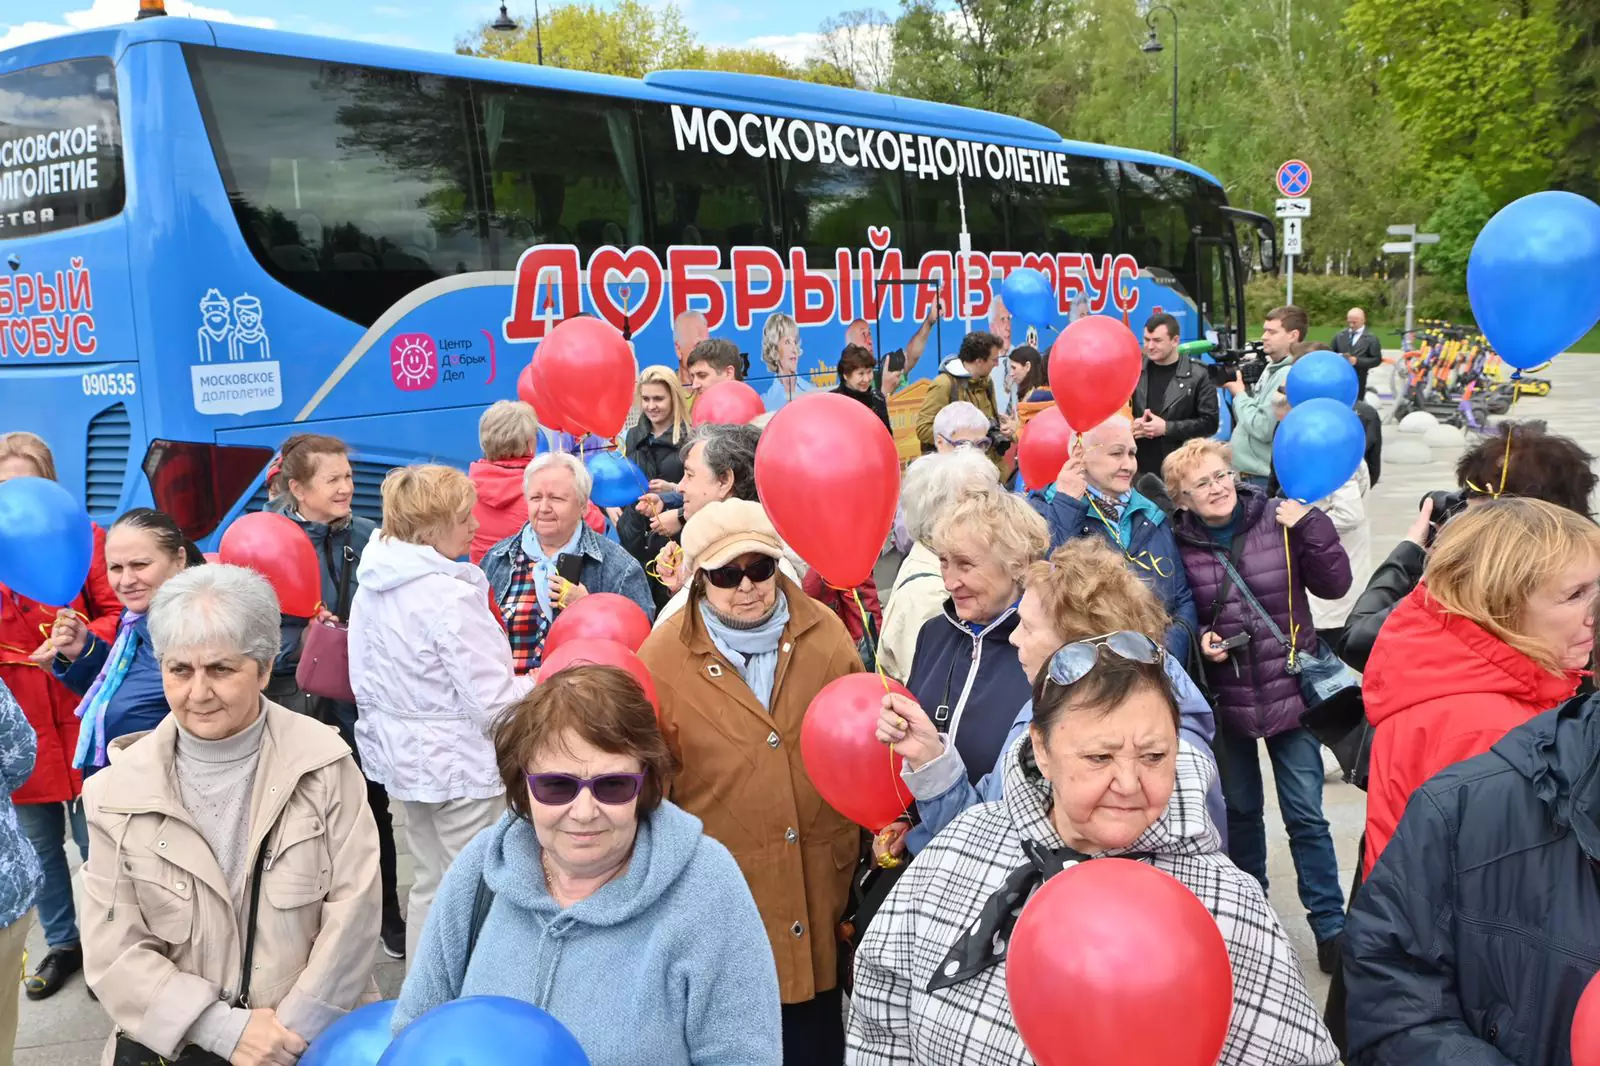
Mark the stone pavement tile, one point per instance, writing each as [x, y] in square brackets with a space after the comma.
[67, 1053]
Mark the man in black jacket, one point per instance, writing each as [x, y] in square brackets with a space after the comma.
[1359, 345]
[1174, 400]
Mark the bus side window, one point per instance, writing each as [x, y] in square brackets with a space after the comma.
[704, 198]
[1080, 217]
[830, 206]
[1159, 216]
[935, 214]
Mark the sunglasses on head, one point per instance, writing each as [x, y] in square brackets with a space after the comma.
[1074, 662]
[729, 577]
[558, 790]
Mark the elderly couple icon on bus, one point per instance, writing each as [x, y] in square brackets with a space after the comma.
[234, 328]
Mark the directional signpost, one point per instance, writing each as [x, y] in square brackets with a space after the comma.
[1294, 182]
[1408, 248]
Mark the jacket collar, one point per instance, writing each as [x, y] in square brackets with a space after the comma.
[804, 613]
[1559, 755]
[956, 368]
[1182, 371]
[591, 545]
[998, 630]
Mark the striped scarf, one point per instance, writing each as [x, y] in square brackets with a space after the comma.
[92, 711]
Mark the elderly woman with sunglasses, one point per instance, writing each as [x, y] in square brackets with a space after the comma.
[1102, 771]
[735, 672]
[596, 900]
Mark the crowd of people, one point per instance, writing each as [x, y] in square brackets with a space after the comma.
[1093, 670]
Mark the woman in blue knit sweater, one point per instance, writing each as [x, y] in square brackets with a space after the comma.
[19, 866]
[596, 900]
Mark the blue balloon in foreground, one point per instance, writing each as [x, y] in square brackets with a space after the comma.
[46, 541]
[1318, 447]
[1534, 276]
[618, 482]
[1322, 374]
[1028, 297]
[357, 1039]
[485, 1031]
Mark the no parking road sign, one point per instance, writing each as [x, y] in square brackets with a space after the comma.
[1294, 178]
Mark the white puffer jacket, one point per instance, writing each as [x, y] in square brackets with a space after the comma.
[431, 671]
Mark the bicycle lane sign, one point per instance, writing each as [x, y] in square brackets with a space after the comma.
[1294, 178]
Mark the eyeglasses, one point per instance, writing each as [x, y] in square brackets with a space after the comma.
[1074, 662]
[558, 790]
[1227, 477]
[982, 443]
[729, 577]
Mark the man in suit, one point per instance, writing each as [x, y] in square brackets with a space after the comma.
[1174, 400]
[1360, 346]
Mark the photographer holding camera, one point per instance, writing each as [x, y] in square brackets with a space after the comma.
[1174, 401]
[966, 378]
[1537, 464]
[1258, 410]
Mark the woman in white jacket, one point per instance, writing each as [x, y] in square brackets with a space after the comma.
[431, 669]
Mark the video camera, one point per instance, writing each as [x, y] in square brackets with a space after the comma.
[1248, 362]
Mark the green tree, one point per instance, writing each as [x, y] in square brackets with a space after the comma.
[983, 53]
[630, 39]
[1461, 215]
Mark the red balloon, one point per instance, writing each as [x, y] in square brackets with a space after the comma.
[829, 476]
[528, 391]
[852, 770]
[1044, 448]
[1094, 366]
[588, 371]
[1114, 947]
[276, 548]
[1586, 1027]
[599, 616]
[727, 403]
[588, 651]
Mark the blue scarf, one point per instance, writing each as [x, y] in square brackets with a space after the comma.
[544, 567]
[752, 651]
[91, 749]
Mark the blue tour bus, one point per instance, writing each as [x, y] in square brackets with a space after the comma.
[216, 236]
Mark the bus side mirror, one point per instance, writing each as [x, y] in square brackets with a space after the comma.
[1269, 251]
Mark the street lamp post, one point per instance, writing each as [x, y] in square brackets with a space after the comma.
[506, 24]
[1152, 44]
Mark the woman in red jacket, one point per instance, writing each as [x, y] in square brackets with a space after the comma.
[1499, 631]
[48, 804]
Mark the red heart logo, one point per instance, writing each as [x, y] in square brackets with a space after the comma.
[77, 262]
[641, 271]
[879, 236]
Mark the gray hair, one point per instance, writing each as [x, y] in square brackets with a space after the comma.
[580, 473]
[778, 326]
[219, 605]
[729, 451]
[934, 484]
[955, 417]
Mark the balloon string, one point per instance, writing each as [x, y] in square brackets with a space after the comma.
[1505, 459]
[1294, 626]
[886, 861]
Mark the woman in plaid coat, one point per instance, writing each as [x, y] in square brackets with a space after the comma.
[929, 981]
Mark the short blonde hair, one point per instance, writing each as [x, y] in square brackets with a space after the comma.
[778, 327]
[30, 446]
[1000, 524]
[507, 430]
[420, 502]
[1087, 590]
[1183, 462]
[1491, 557]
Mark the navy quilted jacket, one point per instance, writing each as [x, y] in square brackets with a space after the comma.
[1254, 694]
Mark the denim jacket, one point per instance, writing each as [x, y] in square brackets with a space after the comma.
[19, 866]
[607, 567]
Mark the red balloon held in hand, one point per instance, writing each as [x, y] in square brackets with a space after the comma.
[1116, 962]
[276, 548]
[1045, 446]
[1586, 1027]
[532, 391]
[1094, 366]
[829, 476]
[727, 403]
[588, 651]
[599, 616]
[852, 770]
[588, 371]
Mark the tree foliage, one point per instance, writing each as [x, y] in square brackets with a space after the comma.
[1461, 215]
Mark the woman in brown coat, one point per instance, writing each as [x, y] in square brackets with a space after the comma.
[735, 672]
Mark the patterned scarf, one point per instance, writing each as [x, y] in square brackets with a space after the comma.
[544, 567]
[92, 711]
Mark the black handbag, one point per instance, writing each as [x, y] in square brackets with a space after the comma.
[129, 1052]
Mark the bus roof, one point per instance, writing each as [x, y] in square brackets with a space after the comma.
[741, 92]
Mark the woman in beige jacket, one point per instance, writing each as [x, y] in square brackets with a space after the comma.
[233, 862]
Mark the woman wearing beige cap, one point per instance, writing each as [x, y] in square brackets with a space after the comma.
[735, 672]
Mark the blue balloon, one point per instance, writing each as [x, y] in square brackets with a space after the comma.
[1029, 298]
[618, 482]
[357, 1039]
[485, 1031]
[46, 541]
[1322, 374]
[1318, 447]
[1534, 276]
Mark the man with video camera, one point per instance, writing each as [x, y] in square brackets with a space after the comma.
[966, 377]
[1258, 410]
[1174, 401]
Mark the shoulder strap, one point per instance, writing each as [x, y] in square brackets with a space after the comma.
[243, 999]
[1249, 598]
[482, 901]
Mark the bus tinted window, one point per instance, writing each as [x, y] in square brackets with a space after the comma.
[1080, 217]
[1158, 215]
[563, 169]
[936, 214]
[830, 207]
[60, 147]
[351, 185]
[704, 198]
